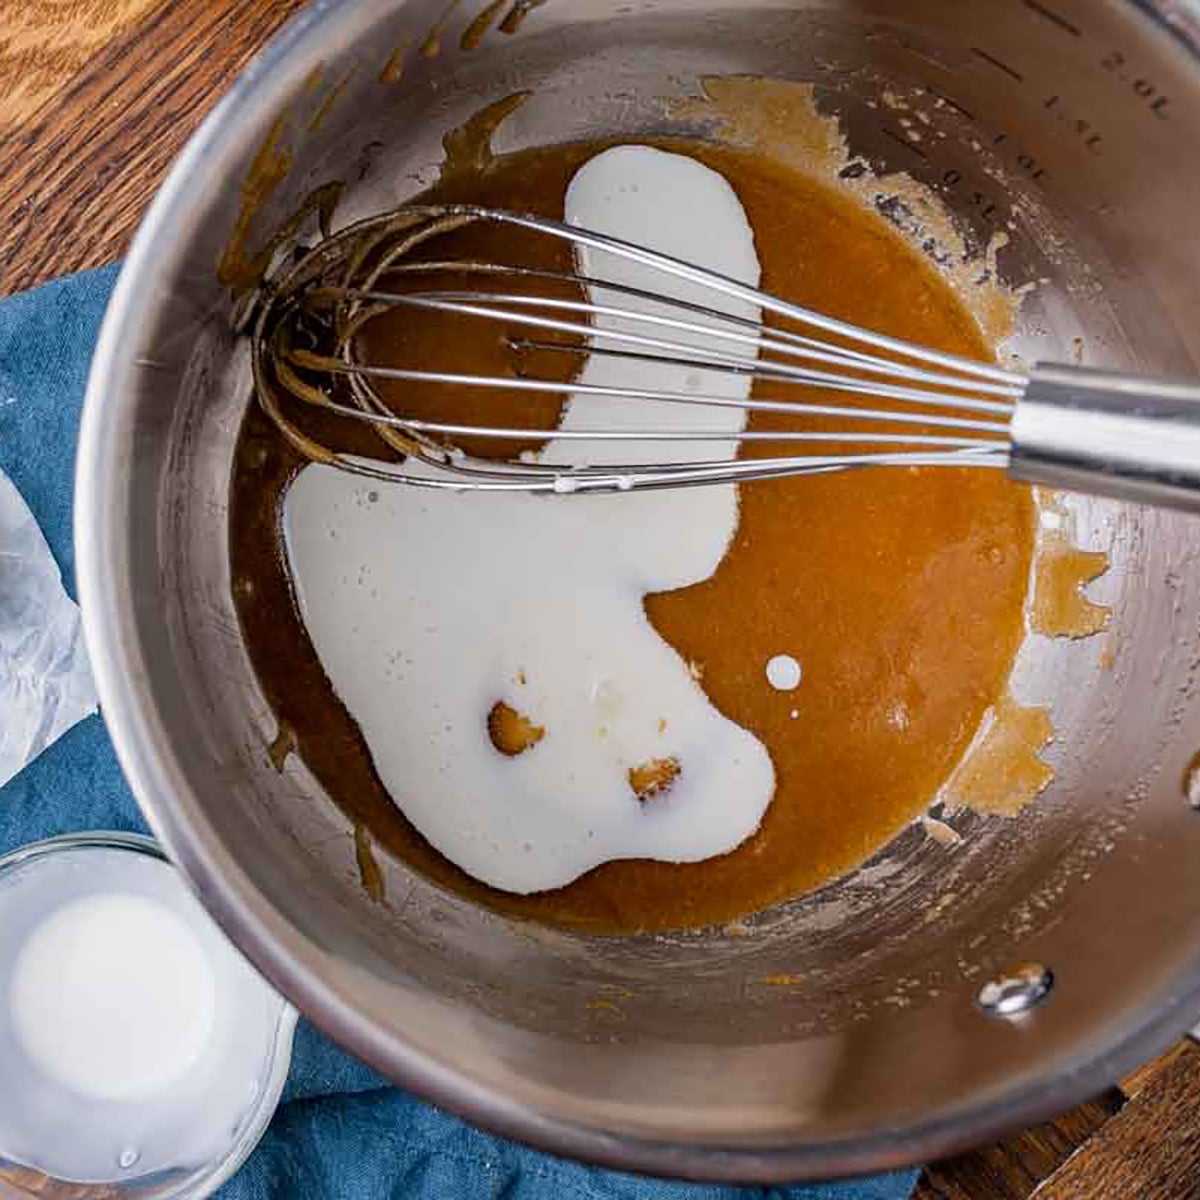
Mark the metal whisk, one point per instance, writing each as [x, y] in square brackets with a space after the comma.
[896, 404]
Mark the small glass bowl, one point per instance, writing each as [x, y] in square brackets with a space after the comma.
[193, 1181]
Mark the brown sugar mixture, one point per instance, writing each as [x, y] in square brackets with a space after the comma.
[901, 592]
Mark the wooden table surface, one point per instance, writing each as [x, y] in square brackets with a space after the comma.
[96, 99]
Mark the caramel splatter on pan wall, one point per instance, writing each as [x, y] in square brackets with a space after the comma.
[477, 30]
[241, 267]
[1059, 607]
[1004, 769]
[369, 873]
[780, 120]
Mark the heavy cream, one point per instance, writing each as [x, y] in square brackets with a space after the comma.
[428, 609]
[112, 997]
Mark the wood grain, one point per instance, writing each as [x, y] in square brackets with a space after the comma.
[77, 175]
[96, 99]
[1013, 1169]
[1140, 1141]
[1150, 1149]
[1137, 1081]
[46, 42]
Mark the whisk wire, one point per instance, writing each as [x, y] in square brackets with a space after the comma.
[579, 387]
[487, 305]
[734, 290]
[846, 354]
[948, 411]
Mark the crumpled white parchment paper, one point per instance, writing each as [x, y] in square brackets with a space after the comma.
[45, 681]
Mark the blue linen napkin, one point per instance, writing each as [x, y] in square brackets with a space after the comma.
[341, 1132]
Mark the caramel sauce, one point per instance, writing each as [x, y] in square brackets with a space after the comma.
[512, 732]
[900, 592]
[654, 778]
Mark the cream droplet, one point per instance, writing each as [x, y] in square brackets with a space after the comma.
[783, 673]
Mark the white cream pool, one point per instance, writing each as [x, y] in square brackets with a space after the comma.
[426, 609]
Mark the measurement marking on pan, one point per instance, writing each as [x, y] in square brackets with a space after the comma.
[987, 208]
[1078, 125]
[1144, 89]
[998, 63]
[897, 137]
[1053, 17]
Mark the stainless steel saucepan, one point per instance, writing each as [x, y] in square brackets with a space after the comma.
[1071, 126]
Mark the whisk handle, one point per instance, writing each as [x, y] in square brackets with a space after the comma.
[1110, 434]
